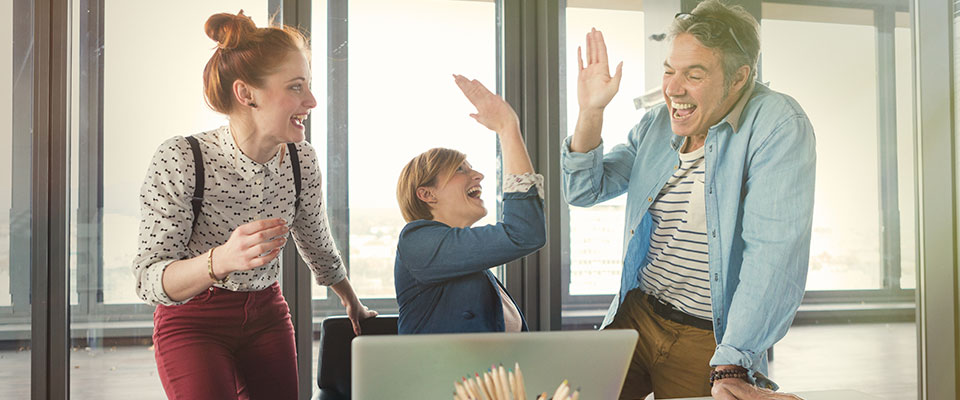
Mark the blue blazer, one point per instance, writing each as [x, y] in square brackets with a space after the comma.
[442, 274]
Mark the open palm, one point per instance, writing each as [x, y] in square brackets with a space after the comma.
[492, 111]
[595, 86]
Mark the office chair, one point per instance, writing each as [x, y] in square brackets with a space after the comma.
[333, 364]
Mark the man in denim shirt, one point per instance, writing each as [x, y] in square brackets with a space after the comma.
[719, 184]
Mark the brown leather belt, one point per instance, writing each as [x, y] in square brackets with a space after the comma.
[669, 312]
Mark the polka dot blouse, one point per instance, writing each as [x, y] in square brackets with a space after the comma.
[237, 190]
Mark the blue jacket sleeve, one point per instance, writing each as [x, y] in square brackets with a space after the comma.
[593, 177]
[777, 221]
[434, 252]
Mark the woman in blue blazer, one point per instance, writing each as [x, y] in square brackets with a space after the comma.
[442, 270]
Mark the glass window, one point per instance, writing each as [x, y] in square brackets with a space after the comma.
[845, 248]
[16, 145]
[906, 150]
[851, 53]
[596, 233]
[401, 101]
[145, 87]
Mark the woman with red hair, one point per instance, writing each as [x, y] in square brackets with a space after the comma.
[216, 208]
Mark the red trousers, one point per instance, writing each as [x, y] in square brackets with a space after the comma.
[227, 345]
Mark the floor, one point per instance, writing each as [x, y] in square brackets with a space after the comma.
[879, 359]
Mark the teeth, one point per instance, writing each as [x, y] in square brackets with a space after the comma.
[473, 190]
[682, 106]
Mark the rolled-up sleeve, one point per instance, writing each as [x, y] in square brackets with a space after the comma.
[594, 177]
[311, 230]
[166, 219]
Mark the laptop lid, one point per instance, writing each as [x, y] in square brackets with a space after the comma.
[409, 367]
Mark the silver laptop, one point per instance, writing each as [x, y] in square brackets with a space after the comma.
[409, 367]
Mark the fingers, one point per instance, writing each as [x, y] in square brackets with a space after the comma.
[267, 246]
[356, 325]
[259, 225]
[266, 258]
[579, 59]
[601, 47]
[618, 75]
[268, 234]
[472, 88]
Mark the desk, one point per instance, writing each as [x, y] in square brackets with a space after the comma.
[820, 395]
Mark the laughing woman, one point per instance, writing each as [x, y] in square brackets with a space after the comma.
[442, 271]
[216, 210]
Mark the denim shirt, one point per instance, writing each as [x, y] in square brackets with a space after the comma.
[442, 274]
[759, 184]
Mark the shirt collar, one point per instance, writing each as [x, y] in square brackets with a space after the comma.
[733, 118]
[245, 166]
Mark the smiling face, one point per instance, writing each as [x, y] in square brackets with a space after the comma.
[285, 100]
[457, 202]
[693, 87]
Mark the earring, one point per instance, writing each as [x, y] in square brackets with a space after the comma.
[252, 104]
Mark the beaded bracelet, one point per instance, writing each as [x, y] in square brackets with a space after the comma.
[715, 375]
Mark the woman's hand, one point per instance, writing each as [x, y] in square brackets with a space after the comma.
[595, 86]
[251, 245]
[736, 389]
[492, 111]
[358, 312]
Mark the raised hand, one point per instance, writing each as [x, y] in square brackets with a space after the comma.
[251, 245]
[492, 111]
[595, 86]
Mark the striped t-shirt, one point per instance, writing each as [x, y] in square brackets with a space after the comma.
[677, 270]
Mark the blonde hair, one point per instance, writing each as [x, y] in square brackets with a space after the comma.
[431, 167]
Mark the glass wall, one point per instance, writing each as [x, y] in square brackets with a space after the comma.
[596, 233]
[385, 94]
[136, 82]
[851, 71]
[16, 137]
[844, 251]
[402, 101]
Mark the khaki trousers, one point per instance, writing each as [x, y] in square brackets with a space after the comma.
[671, 359]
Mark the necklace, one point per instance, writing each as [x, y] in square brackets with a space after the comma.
[236, 149]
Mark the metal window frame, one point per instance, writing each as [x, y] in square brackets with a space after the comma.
[938, 330]
[530, 46]
[50, 357]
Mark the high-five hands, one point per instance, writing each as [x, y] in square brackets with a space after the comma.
[736, 389]
[595, 86]
[492, 111]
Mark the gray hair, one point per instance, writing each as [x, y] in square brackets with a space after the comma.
[719, 26]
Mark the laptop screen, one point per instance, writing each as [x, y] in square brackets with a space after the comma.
[409, 367]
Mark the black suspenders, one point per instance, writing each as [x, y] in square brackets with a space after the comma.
[197, 200]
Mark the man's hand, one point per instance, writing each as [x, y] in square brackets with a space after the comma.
[737, 389]
[595, 86]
